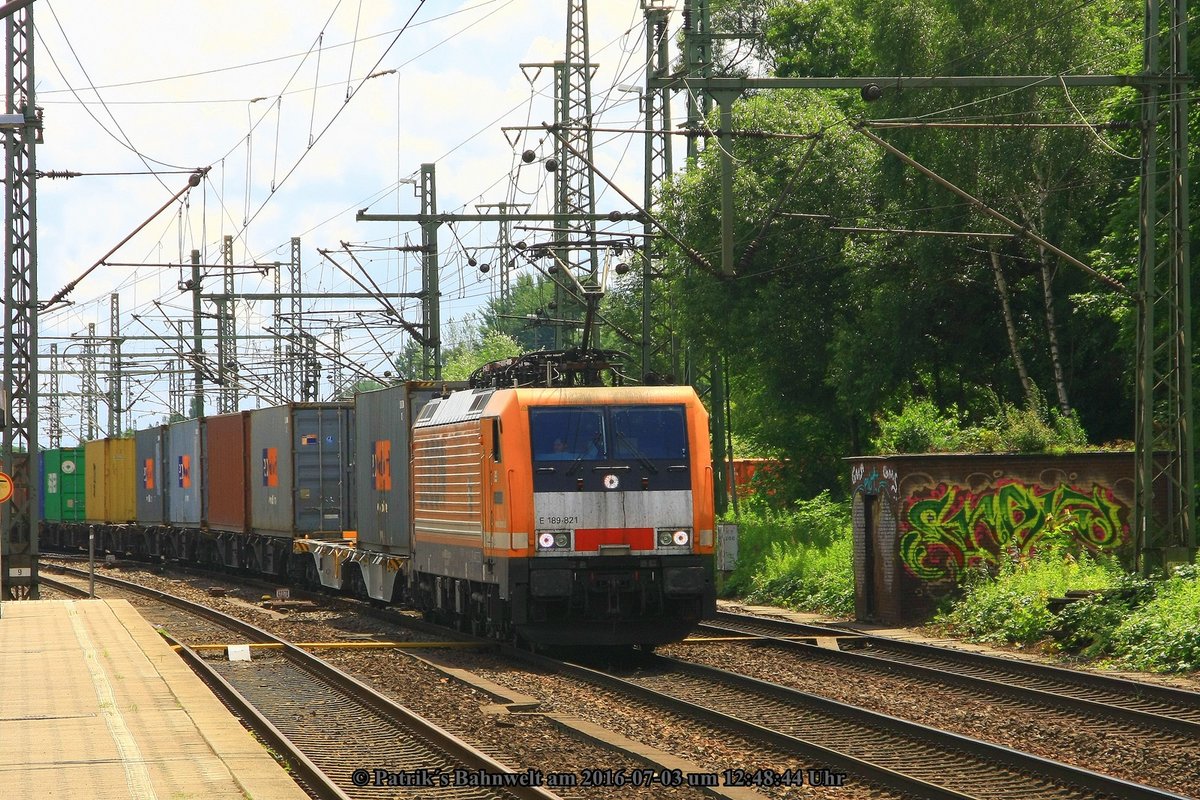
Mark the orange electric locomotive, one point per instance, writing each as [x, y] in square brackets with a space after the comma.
[569, 515]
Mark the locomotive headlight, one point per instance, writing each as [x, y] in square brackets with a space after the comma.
[673, 537]
[553, 540]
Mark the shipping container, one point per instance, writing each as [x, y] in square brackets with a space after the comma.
[225, 467]
[63, 479]
[382, 445]
[151, 473]
[304, 478]
[111, 483]
[184, 475]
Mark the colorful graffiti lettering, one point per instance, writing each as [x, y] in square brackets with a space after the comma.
[947, 528]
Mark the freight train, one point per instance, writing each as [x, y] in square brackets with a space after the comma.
[568, 515]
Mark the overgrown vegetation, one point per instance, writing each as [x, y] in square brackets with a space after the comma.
[1128, 621]
[1164, 634]
[800, 557]
[921, 427]
[1012, 607]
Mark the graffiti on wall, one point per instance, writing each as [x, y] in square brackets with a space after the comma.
[875, 480]
[948, 527]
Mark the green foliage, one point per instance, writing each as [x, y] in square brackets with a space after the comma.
[1032, 429]
[1012, 606]
[817, 38]
[363, 385]
[1086, 627]
[921, 427]
[1164, 634]
[808, 578]
[469, 357]
[800, 557]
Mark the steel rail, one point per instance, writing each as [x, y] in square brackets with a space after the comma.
[423, 730]
[835, 759]
[854, 656]
[312, 777]
[943, 741]
[872, 769]
[1177, 709]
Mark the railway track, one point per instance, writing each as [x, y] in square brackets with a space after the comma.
[913, 759]
[1149, 706]
[345, 739]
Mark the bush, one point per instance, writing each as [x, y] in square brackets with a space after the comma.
[1164, 634]
[1033, 429]
[919, 427]
[1086, 627]
[808, 578]
[1012, 607]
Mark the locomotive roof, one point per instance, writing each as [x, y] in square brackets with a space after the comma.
[472, 403]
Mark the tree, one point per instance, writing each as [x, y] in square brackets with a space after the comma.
[468, 357]
[825, 331]
[776, 321]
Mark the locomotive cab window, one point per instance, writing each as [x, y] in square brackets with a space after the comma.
[649, 432]
[568, 434]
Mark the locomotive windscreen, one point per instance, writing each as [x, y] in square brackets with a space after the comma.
[649, 432]
[569, 433]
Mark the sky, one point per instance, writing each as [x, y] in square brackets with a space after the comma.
[277, 101]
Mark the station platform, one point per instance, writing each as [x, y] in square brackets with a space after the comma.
[96, 705]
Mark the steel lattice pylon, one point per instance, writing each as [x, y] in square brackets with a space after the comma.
[576, 184]
[227, 334]
[657, 330]
[431, 300]
[1165, 499]
[19, 517]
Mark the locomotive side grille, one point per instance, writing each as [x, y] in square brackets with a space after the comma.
[446, 480]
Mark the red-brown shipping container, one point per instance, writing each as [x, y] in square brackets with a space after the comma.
[225, 442]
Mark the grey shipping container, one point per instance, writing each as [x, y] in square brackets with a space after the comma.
[301, 470]
[184, 475]
[150, 473]
[382, 453]
[227, 467]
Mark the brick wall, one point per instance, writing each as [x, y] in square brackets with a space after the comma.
[920, 521]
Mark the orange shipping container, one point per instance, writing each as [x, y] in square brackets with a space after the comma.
[111, 472]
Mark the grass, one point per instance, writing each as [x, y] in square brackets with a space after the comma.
[799, 558]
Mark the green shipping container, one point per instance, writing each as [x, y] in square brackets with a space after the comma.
[63, 484]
